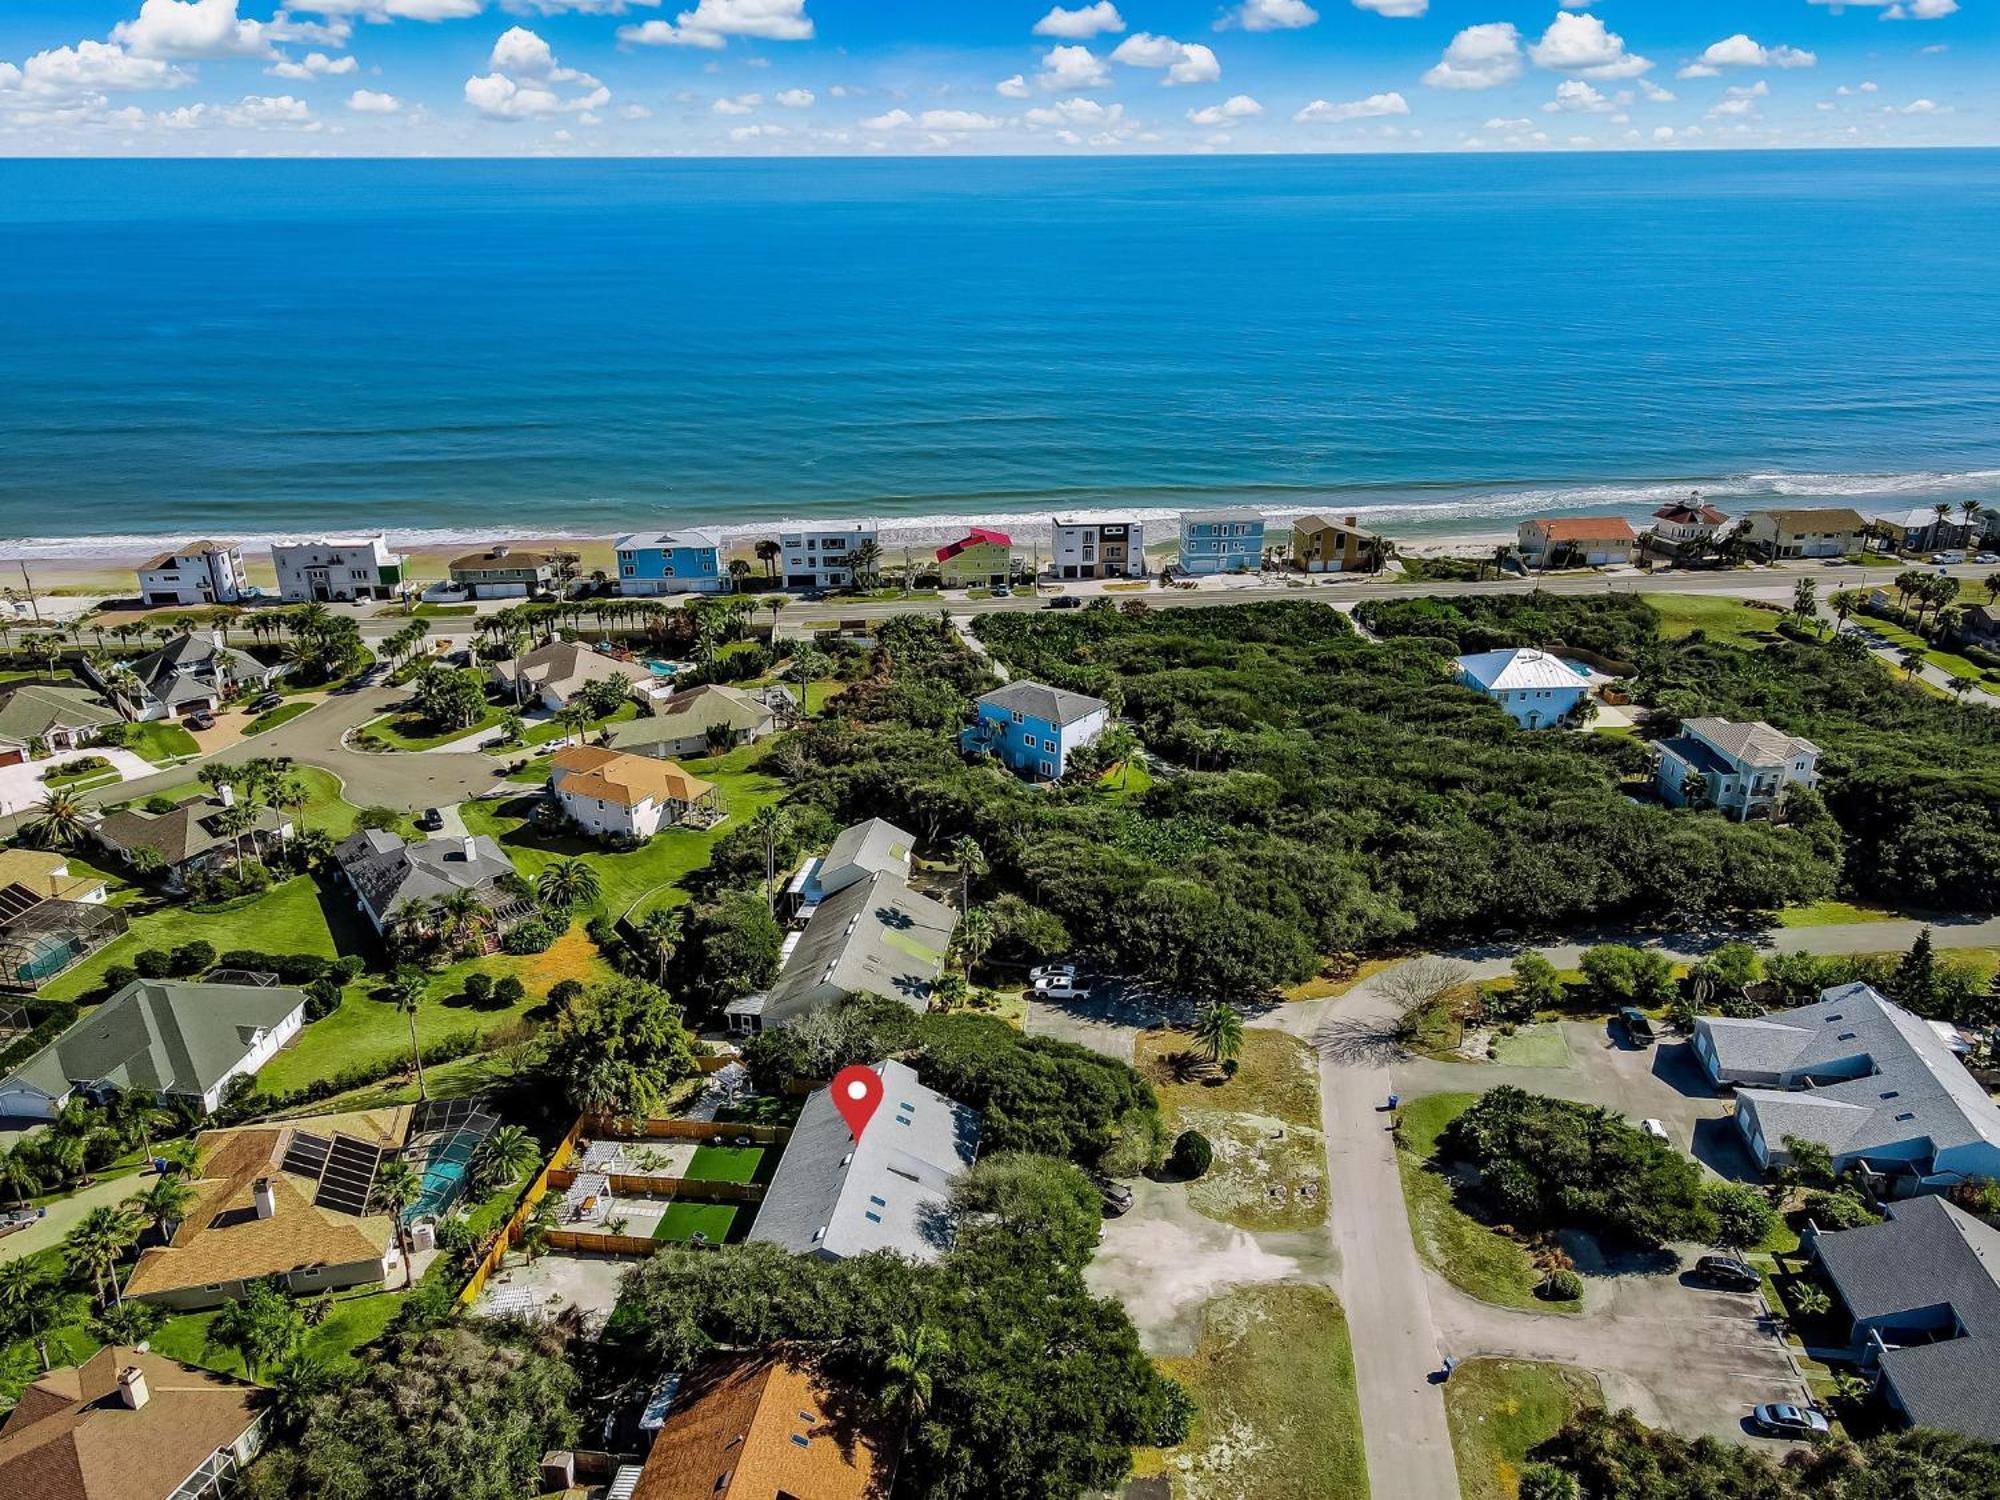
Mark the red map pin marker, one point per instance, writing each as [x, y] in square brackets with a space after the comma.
[856, 1093]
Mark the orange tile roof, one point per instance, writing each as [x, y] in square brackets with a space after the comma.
[628, 780]
[73, 1438]
[756, 1426]
[1585, 529]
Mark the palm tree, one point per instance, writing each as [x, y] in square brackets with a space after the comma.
[976, 931]
[1219, 1029]
[507, 1156]
[574, 718]
[775, 603]
[568, 884]
[18, 1174]
[660, 931]
[406, 987]
[971, 861]
[294, 1386]
[865, 561]
[768, 553]
[396, 1188]
[1942, 511]
[98, 1242]
[1119, 744]
[908, 1370]
[769, 824]
[59, 821]
[1911, 660]
[1972, 513]
[30, 1303]
[163, 1204]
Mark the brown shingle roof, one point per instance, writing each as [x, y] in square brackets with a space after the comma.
[186, 549]
[515, 558]
[73, 1438]
[1838, 519]
[753, 1427]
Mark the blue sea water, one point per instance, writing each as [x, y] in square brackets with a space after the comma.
[1443, 343]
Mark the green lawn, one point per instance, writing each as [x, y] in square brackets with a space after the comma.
[82, 781]
[326, 808]
[414, 732]
[1834, 914]
[356, 1319]
[160, 741]
[1720, 618]
[725, 1164]
[549, 730]
[1472, 1257]
[1123, 782]
[284, 713]
[1535, 1046]
[1499, 1409]
[1277, 1418]
[1948, 662]
[647, 875]
[682, 1221]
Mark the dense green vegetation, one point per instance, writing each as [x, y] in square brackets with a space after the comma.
[1911, 781]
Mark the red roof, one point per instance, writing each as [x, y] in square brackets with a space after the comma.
[1585, 529]
[973, 538]
[1690, 510]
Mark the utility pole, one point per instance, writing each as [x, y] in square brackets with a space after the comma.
[29, 584]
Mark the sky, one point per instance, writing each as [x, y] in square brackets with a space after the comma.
[981, 77]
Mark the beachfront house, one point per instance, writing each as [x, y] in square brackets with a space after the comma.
[698, 721]
[613, 795]
[128, 1424]
[821, 557]
[1920, 1293]
[553, 675]
[192, 673]
[1576, 541]
[337, 570]
[1033, 729]
[1539, 691]
[508, 571]
[1922, 529]
[835, 1196]
[1691, 525]
[1776, 534]
[687, 561]
[184, 1042]
[1226, 540]
[1323, 545]
[1097, 544]
[388, 875]
[194, 573]
[1881, 1089]
[53, 717]
[981, 559]
[1742, 769]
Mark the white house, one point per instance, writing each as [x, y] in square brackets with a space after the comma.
[1743, 769]
[1097, 544]
[1537, 689]
[337, 569]
[819, 558]
[1576, 541]
[196, 573]
[1861, 1076]
[1691, 523]
[616, 795]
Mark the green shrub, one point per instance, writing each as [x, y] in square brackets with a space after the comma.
[153, 963]
[1192, 1156]
[322, 998]
[1560, 1286]
[196, 957]
[535, 935]
[509, 991]
[1840, 1209]
[478, 988]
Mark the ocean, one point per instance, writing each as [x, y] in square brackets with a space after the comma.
[1439, 344]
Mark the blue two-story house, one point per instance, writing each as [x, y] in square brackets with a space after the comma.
[688, 561]
[1229, 540]
[1032, 729]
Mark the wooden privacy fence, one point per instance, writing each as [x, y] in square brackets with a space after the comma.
[602, 1242]
[647, 1185]
[510, 1236]
[708, 1132]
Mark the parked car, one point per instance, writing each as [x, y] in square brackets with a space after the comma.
[1638, 1027]
[201, 718]
[1065, 601]
[1060, 987]
[263, 703]
[1782, 1419]
[1063, 970]
[21, 1218]
[1727, 1272]
[1946, 559]
[432, 821]
[1988, 557]
[1655, 1129]
[1003, 592]
[1117, 1197]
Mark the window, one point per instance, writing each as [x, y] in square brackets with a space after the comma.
[872, 1217]
[1906, 1115]
[883, 1202]
[1019, 717]
[800, 1440]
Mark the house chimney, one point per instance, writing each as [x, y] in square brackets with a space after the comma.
[218, 637]
[132, 1387]
[465, 848]
[501, 550]
[228, 794]
[1354, 520]
[266, 1198]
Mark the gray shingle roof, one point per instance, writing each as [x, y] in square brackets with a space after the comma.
[1056, 706]
[390, 874]
[1881, 1075]
[1756, 743]
[834, 1196]
[1930, 1255]
[874, 847]
[875, 937]
[34, 708]
[689, 714]
[164, 672]
[163, 1035]
[567, 666]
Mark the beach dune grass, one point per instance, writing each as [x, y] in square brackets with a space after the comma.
[1499, 1410]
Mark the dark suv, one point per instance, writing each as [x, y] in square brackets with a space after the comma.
[1727, 1272]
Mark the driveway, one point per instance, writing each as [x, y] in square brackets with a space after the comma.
[21, 787]
[64, 1214]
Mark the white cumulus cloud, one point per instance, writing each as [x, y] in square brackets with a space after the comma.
[1079, 111]
[796, 98]
[191, 28]
[1185, 62]
[312, 65]
[1574, 96]
[89, 67]
[1921, 10]
[1082, 23]
[1578, 42]
[1479, 57]
[1013, 88]
[1271, 15]
[1068, 68]
[1373, 106]
[370, 102]
[1394, 7]
[742, 104]
[1232, 111]
[523, 79]
[400, 10]
[711, 23]
[1739, 51]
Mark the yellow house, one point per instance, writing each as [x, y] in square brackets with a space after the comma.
[981, 559]
[1320, 545]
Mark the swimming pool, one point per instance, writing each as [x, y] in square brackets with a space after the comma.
[668, 668]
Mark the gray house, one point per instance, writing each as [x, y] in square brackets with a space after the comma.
[387, 874]
[1923, 1292]
[191, 673]
[874, 847]
[181, 1041]
[1878, 1087]
[696, 721]
[834, 1196]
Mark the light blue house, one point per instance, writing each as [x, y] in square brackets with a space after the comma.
[688, 561]
[1032, 729]
[1230, 540]
[1538, 689]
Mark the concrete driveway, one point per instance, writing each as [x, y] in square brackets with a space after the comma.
[22, 787]
[65, 1213]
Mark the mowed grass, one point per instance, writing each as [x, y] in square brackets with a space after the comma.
[1535, 1046]
[682, 1221]
[1472, 1257]
[284, 713]
[160, 741]
[355, 1320]
[725, 1163]
[1719, 618]
[1834, 914]
[1273, 1377]
[647, 876]
[1500, 1409]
